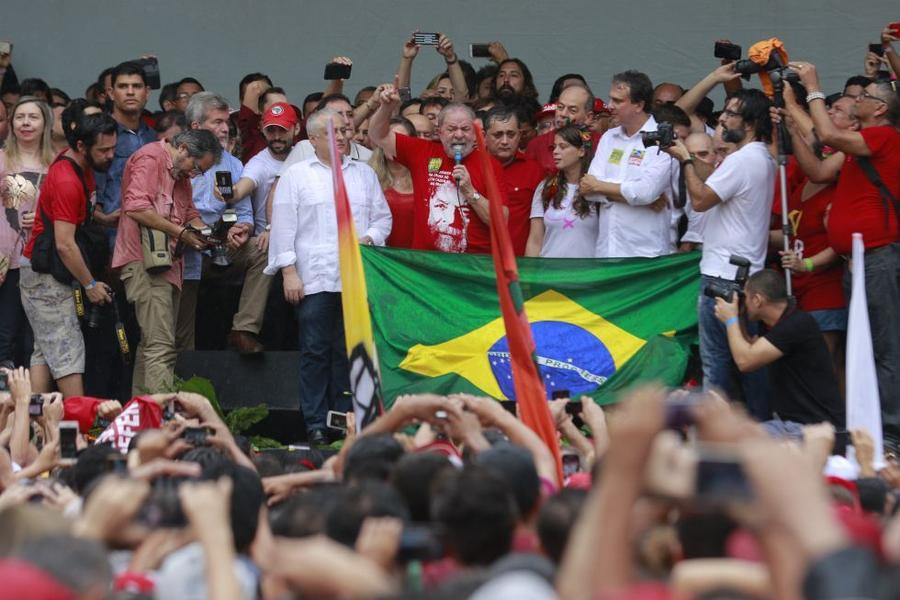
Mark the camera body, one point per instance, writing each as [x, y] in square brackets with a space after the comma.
[664, 136]
[219, 234]
[727, 289]
[777, 70]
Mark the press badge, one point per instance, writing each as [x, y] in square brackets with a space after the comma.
[615, 157]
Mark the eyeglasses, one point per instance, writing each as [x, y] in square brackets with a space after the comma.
[868, 96]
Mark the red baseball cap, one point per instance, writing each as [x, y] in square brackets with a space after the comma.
[547, 110]
[600, 106]
[281, 114]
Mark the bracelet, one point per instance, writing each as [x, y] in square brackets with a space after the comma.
[183, 229]
[452, 62]
[687, 161]
[814, 96]
[731, 321]
[91, 285]
[808, 263]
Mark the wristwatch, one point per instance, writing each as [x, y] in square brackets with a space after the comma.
[269, 227]
[476, 197]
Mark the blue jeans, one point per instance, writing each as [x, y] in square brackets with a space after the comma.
[324, 370]
[719, 370]
[883, 298]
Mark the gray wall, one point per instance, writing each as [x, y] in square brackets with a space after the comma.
[67, 42]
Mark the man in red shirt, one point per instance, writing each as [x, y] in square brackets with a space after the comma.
[575, 106]
[858, 207]
[156, 194]
[48, 303]
[523, 175]
[451, 213]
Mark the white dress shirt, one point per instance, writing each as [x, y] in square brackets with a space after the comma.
[632, 229]
[304, 220]
[304, 149]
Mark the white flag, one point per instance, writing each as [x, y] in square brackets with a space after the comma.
[863, 404]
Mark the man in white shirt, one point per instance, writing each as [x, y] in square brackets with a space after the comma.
[304, 246]
[627, 179]
[279, 126]
[738, 196]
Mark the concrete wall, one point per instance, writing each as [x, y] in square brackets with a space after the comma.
[67, 42]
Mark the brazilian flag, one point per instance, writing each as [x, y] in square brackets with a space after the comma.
[599, 325]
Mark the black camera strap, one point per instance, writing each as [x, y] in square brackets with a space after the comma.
[887, 198]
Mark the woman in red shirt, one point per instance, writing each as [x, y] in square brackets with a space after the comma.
[396, 183]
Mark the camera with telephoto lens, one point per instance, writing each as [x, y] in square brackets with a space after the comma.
[777, 70]
[219, 234]
[726, 289]
[664, 136]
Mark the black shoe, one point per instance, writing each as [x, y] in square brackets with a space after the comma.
[317, 438]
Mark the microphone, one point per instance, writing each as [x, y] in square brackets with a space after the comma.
[457, 156]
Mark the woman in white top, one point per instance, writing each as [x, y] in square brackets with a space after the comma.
[563, 223]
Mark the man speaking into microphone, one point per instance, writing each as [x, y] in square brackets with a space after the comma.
[451, 211]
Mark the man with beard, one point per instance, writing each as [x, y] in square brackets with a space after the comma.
[63, 208]
[514, 84]
[279, 126]
[451, 213]
[738, 196]
[128, 92]
[156, 194]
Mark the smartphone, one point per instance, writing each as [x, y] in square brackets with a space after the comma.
[68, 433]
[224, 183]
[36, 406]
[405, 94]
[842, 439]
[479, 50]
[419, 543]
[560, 394]
[150, 65]
[4, 381]
[6, 47]
[721, 478]
[336, 420]
[678, 409]
[337, 71]
[571, 464]
[509, 406]
[196, 436]
[895, 30]
[117, 463]
[877, 49]
[727, 50]
[426, 39]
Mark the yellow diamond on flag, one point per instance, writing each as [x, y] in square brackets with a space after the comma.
[577, 350]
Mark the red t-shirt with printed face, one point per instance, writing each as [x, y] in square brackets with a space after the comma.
[523, 175]
[442, 220]
[62, 199]
[857, 207]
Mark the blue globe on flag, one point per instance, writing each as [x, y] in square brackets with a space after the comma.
[570, 358]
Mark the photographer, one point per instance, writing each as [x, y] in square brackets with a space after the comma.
[859, 206]
[806, 389]
[157, 195]
[62, 212]
[738, 196]
[627, 179]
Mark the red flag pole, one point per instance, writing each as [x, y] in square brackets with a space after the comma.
[531, 396]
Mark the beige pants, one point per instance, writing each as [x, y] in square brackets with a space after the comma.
[155, 306]
[251, 311]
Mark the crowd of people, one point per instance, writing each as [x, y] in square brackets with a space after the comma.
[119, 219]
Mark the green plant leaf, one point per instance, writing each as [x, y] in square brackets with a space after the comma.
[260, 442]
[204, 387]
[241, 419]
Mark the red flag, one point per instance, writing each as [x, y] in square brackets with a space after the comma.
[141, 412]
[530, 393]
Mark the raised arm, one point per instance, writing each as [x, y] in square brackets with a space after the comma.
[692, 98]
[851, 142]
[404, 73]
[380, 123]
[454, 71]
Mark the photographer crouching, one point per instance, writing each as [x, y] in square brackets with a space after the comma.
[738, 196]
[806, 390]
